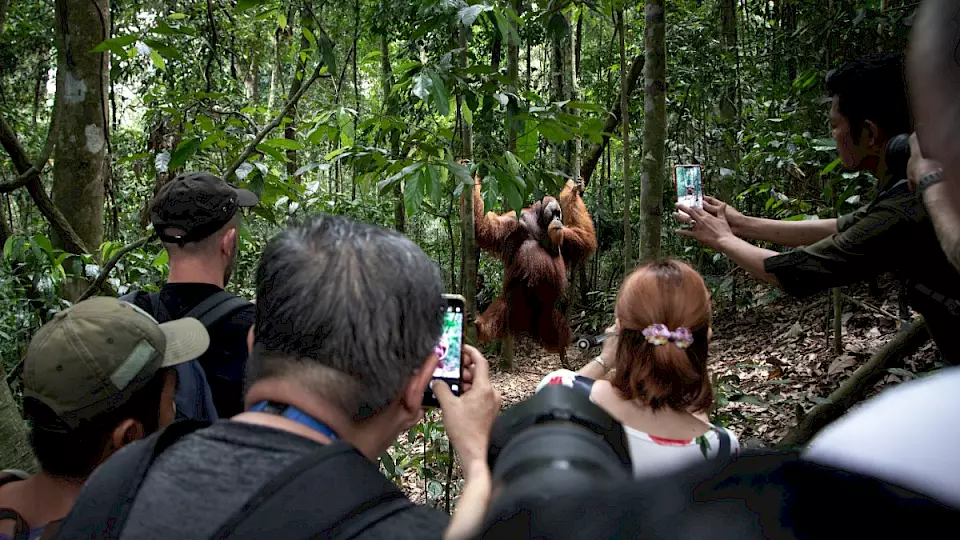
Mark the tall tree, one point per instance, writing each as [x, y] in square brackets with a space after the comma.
[296, 82]
[625, 119]
[654, 130]
[386, 83]
[81, 165]
[468, 260]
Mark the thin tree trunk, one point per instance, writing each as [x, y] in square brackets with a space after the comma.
[14, 449]
[468, 268]
[625, 118]
[513, 61]
[81, 163]
[296, 82]
[654, 130]
[577, 150]
[386, 82]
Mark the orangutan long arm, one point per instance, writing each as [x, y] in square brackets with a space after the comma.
[579, 236]
[492, 229]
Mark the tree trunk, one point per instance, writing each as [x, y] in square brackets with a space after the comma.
[468, 262]
[728, 30]
[15, 451]
[577, 149]
[4, 9]
[654, 130]
[513, 72]
[386, 83]
[296, 82]
[81, 162]
[251, 79]
[614, 120]
[625, 119]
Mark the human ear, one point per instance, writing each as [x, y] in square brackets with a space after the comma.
[870, 132]
[412, 400]
[229, 242]
[128, 431]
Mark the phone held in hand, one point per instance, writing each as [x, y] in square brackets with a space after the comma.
[688, 184]
[450, 349]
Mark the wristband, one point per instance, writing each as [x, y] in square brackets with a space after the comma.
[604, 366]
[929, 179]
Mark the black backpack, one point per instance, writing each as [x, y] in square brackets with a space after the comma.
[287, 507]
[194, 397]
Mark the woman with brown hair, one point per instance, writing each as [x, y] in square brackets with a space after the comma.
[652, 374]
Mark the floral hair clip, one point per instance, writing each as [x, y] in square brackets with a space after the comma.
[659, 334]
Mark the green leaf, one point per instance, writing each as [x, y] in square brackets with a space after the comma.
[345, 121]
[421, 86]
[211, 139]
[176, 16]
[286, 144]
[8, 248]
[161, 259]
[441, 98]
[405, 172]
[466, 113]
[244, 5]
[528, 142]
[829, 168]
[116, 45]
[412, 194]
[185, 151]
[461, 173]
[388, 464]
[327, 51]
[468, 15]
[158, 60]
[165, 50]
[44, 243]
[434, 185]
[310, 37]
[282, 21]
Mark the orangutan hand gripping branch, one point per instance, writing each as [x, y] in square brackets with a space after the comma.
[537, 249]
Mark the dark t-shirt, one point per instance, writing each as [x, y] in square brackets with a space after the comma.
[225, 360]
[893, 233]
[203, 479]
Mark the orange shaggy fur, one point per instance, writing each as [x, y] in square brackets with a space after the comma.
[535, 266]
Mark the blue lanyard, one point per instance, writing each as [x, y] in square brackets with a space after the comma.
[292, 413]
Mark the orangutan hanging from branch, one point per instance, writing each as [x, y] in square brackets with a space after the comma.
[537, 249]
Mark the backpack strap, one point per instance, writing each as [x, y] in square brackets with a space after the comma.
[51, 530]
[356, 497]
[108, 495]
[21, 530]
[216, 307]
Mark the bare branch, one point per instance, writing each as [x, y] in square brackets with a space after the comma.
[105, 271]
[592, 154]
[72, 243]
[248, 151]
[37, 168]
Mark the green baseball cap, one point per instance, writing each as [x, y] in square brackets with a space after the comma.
[94, 355]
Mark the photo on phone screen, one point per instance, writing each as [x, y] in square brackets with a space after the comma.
[689, 185]
[450, 348]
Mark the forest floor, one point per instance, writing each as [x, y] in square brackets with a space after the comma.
[776, 362]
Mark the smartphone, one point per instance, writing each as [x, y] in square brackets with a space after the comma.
[450, 349]
[688, 184]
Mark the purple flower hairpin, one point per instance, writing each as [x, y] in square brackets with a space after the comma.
[659, 334]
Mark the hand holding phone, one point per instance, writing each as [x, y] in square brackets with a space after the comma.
[449, 350]
[688, 185]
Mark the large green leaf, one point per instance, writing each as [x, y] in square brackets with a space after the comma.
[286, 144]
[441, 98]
[185, 151]
[434, 184]
[158, 60]
[116, 45]
[468, 15]
[244, 5]
[405, 172]
[421, 86]
[327, 51]
[413, 194]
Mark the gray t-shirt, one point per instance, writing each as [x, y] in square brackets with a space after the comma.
[203, 479]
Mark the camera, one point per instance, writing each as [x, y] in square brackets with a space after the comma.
[557, 442]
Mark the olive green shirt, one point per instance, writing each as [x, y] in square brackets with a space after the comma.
[892, 233]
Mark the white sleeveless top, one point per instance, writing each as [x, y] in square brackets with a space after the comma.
[652, 455]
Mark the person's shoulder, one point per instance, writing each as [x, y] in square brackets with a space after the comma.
[418, 522]
[563, 377]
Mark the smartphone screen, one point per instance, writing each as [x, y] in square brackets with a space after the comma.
[450, 348]
[688, 183]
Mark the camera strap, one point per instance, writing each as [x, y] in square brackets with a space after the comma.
[292, 413]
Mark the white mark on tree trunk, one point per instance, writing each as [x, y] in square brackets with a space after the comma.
[95, 140]
[76, 89]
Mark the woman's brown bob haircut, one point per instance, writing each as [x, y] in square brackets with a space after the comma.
[671, 293]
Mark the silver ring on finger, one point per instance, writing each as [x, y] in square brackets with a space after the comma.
[693, 223]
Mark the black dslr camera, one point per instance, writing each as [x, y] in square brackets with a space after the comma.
[557, 442]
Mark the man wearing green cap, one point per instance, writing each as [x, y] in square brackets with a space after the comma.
[98, 377]
[197, 217]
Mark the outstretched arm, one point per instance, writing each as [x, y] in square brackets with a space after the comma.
[492, 229]
[579, 236]
[785, 233]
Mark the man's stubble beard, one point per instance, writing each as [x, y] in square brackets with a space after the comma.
[232, 263]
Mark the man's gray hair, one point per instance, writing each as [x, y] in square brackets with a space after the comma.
[348, 309]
